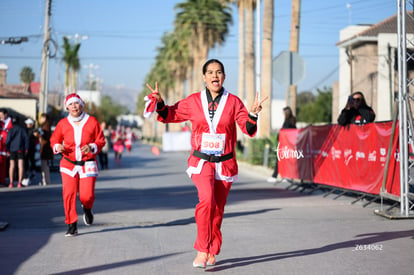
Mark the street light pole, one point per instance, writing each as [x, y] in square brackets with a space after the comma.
[91, 75]
[258, 56]
[45, 61]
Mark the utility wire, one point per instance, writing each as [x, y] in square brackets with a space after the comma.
[325, 77]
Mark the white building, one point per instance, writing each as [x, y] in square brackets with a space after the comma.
[366, 60]
[90, 97]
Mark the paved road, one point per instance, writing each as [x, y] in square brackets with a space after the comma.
[144, 224]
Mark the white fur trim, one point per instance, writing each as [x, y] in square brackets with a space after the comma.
[212, 126]
[69, 172]
[147, 104]
[74, 99]
[6, 123]
[195, 170]
[77, 169]
[55, 148]
[94, 147]
[77, 129]
[220, 176]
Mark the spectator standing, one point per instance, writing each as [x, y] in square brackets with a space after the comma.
[290, 119]
[110, 133]
[103, 154]
[356, 111]
[5, 126]
[288, 123]
[46, 152]
[3, 156]
[30, 160]
[17, 145]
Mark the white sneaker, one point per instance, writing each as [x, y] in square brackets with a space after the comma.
[26, 182]
[271, 179]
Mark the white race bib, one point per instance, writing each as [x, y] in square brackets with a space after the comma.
[213, 144]
[91, 169]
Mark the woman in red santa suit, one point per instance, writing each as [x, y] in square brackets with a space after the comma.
[79, 138]
[212, 165]
[5, 126]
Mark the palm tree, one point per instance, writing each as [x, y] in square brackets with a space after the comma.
[150, 125]
[250, 71]
[247, 71]
[242, 81]
[177, 61]
[159, 71]
[163, 70]
[208, 23]
[72, 64]
[246, 47]
[27, 76]
[294, 47]
[266, 81]
[67, 57]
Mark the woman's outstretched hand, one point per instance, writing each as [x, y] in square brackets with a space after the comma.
[155, 92]
[257, 105]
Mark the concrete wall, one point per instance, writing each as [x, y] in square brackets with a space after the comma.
[387, 76]
[278, 117]
[365, 71]
[336, 108]
[90, 97]
[3, 74]
[26, 107]
[344, 68]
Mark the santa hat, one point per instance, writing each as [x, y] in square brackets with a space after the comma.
[150, 105]
[29, 121]
[73, 98]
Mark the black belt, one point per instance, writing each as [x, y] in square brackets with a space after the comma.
[81, 163]
[212, 158]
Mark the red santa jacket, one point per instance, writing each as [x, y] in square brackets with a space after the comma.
[5, 127]
[74, 137]
[229, 111]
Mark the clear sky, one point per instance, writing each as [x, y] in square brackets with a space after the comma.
[123, 37]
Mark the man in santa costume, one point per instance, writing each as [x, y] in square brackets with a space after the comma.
[79, 138]
[212, 165]
[5, 126]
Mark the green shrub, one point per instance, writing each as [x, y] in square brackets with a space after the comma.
[256, 150]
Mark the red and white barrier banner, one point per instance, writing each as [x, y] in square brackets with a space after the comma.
[351, 157]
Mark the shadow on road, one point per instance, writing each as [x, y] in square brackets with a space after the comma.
[179, 222]
[107, 267]
[367, 239]
[137, 176]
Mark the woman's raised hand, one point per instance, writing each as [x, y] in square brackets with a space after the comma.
[257, 105]
[155, 92]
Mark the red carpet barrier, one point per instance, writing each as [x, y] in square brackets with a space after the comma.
[352, 157]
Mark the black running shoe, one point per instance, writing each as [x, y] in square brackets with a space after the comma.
[87, 216]
[72, 230]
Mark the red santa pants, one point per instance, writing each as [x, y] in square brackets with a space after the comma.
[71, 185]
[3, 168]
[212, 196]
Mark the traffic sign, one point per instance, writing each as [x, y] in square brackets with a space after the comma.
[288, 68]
